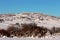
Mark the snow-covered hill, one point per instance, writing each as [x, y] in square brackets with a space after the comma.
[42, 20]
[39, 19]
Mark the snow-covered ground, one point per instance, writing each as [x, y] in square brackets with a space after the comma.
[30, 38]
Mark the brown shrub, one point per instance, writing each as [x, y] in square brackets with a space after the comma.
[4, 33]
[1, 20]
[54, 30]
[28, 30]
[33, 29]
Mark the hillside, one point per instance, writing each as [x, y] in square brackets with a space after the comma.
[29, 25]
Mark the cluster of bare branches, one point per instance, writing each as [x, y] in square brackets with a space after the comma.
[27, 30]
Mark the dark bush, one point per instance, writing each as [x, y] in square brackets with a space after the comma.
[28, 30]
[4, 33]
[1, 20]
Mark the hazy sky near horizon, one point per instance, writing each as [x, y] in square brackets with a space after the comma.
[50, 7]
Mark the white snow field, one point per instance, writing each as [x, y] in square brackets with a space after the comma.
[40, 19]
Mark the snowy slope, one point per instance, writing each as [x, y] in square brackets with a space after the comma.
[40, 19]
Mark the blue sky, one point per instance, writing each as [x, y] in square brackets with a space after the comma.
[50, 7]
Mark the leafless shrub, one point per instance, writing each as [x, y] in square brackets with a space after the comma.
[13, 30]
[27, 30]
[1, 20]
[4, 33]
[33, 29]
[39, 31]
[54, 30]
